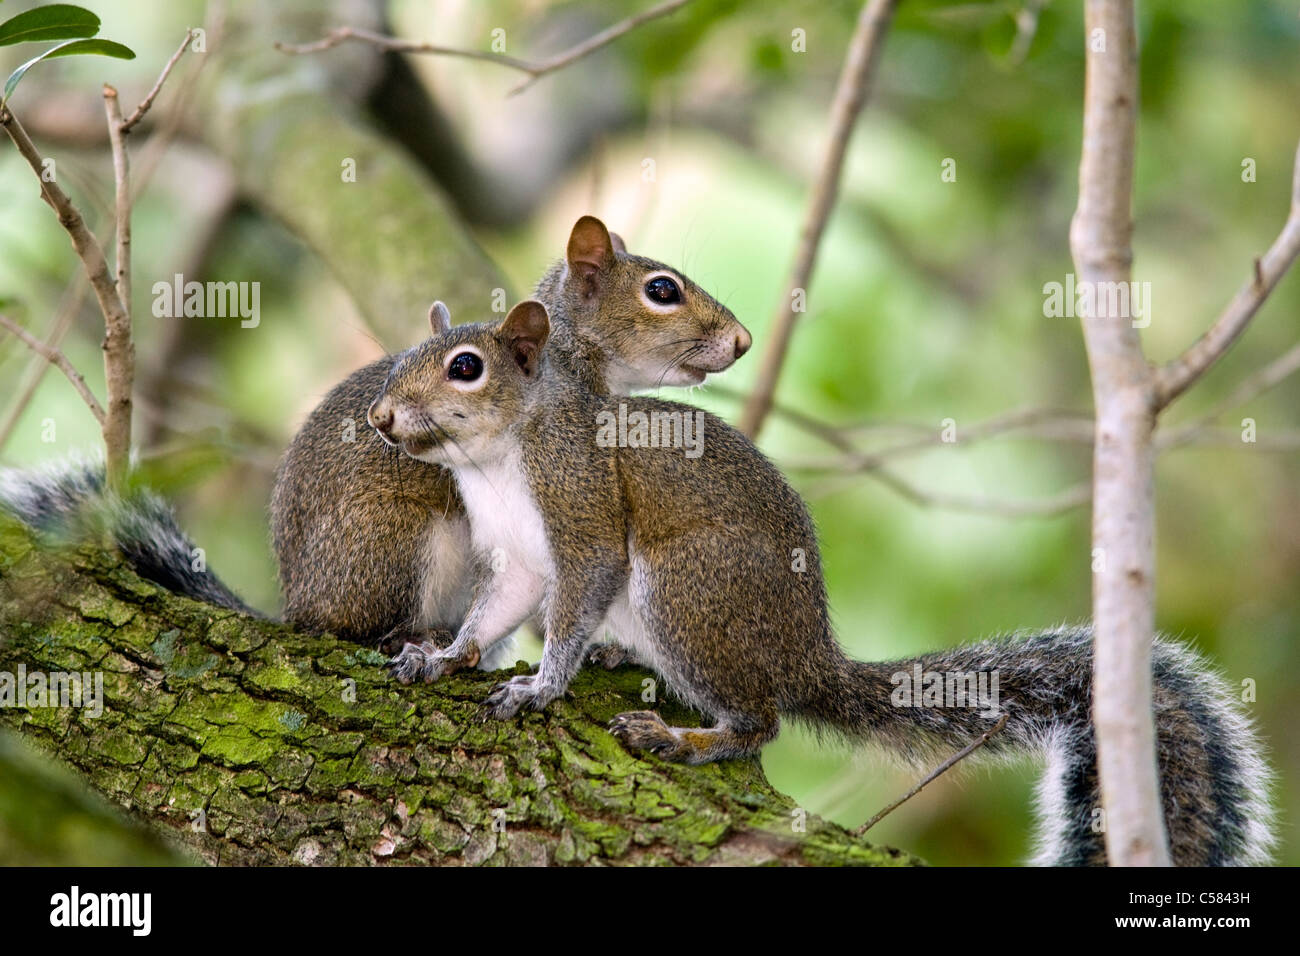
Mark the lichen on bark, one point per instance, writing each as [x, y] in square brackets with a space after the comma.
[250, 743]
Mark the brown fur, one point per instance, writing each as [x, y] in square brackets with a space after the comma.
[356, 523]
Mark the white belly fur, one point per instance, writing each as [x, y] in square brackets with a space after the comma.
[508, 533]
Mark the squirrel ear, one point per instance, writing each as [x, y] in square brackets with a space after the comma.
[439, 318]
[524, 331]
[619, 245]
[590, 252]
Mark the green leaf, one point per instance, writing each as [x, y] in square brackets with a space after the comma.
[57, 21]
[69, 48]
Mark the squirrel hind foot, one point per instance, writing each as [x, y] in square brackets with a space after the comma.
[609, 656]
[645, 730]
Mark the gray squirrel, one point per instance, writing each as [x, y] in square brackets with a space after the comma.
[597, 512]
[371, 545]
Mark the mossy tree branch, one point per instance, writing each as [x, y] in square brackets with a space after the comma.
[254, 744]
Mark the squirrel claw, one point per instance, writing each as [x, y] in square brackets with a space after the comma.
[645, 730]
[509, 698]
[428, 661]
[395, 641]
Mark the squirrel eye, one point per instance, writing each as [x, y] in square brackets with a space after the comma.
[465, 367]
[663, 290]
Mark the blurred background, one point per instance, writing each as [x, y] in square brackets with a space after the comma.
[696, 137]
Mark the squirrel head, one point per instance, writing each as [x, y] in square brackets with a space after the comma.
[653, 325]
[448, 399]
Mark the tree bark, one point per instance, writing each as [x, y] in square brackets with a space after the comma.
[251, 743]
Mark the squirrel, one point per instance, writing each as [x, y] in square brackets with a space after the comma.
[703, 561]
[373, 546]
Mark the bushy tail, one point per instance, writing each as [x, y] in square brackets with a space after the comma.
[1215, 783]
[69, 501]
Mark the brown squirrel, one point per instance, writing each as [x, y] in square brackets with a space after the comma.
[373, 545]
[664, 524]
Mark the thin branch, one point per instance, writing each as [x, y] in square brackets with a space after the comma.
[1175, 378]
[1042, 424]
[147, 102]
[59, 361]
[594, 43]
[1068, 500]
[343, 35]
[1026, 18]
[1047, 424]
[119, 352]
[117, 425]
[938, 771]
[865, 50]
[122, 194]
[535, 69]
[69, 305]
[160, 140]
[1271, 375]
[1275, 440]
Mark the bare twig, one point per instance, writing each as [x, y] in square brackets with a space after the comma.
[147, 102]
[59, 361]
[594, 43]
[1026, 29]
[938, 771]
[161, 139]
[535, 69]
[122, 193]
[116, 426]
[1074, 497]
[1253, 386]
[865, 49]
[1124, 395]
[1274, 440]
[113, 292]
[119, 351]
[1045, 423]
[69, 304]
[342, 35]
[1175, 378]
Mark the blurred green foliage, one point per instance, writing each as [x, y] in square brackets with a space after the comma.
[927, 304]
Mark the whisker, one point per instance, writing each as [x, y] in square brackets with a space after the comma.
[427, 420]
[677, 361]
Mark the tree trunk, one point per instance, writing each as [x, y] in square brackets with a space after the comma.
[255, 744]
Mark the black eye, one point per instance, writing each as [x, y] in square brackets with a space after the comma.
[663, 290]
[465, 367]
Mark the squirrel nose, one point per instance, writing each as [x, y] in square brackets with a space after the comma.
[380, 415]
[743, 341]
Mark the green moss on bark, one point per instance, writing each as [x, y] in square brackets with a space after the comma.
[255, 744]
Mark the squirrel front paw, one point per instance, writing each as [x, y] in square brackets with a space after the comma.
[646, 730]
[514, 695]
[392, 643]
[429, 661]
